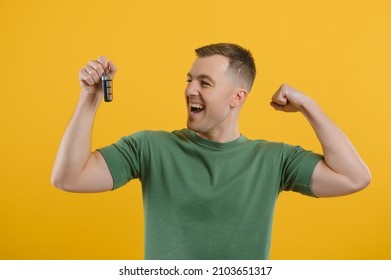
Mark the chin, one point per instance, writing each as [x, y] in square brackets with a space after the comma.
[192, 127]
[189, 126]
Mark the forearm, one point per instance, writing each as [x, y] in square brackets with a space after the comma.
[75, 147]
[339, 153]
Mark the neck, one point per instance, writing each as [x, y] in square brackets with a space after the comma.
[221, 136]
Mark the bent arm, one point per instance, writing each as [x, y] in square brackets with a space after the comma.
[76, 169]
[342, 171]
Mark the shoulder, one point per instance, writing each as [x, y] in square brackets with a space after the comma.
[278, 150]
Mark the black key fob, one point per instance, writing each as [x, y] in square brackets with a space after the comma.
[107, 86]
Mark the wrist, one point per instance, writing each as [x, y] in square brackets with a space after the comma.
[313, 113]
[307, 105]
[89, 101]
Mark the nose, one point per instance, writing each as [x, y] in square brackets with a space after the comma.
[191, 89]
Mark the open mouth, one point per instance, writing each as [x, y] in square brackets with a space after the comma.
[196, 108]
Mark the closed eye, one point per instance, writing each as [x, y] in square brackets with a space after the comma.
[205, 84]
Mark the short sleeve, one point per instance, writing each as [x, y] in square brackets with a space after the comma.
[299, 165]
[123, 158]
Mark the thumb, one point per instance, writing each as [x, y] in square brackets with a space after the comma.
[108, 66]
[113, 69]
[279, 97]
[276, 106]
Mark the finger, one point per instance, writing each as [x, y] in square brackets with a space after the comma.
[103, 61]
[85, 77]
[276, 106]
[113, 69]
[93, 73]
[97, 66]
[280, 98]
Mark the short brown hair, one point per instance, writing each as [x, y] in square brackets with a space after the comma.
[241, 60]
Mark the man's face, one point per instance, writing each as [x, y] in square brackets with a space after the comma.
[209, 93]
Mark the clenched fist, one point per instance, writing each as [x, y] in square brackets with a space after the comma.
[288, 99]
[91, 74]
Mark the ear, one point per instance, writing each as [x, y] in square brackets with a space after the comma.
[239, 97]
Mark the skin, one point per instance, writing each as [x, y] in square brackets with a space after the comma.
[76, 169]
[342, 171]
[211, 84]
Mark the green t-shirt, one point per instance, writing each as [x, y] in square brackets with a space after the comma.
[208, 200]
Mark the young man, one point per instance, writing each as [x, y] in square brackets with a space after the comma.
[208, 191]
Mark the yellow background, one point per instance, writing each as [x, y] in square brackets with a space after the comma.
[336, 51]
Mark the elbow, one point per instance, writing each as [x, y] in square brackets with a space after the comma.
[367, 179]
[60, 183]
[56, 178]
[362, 181]
[56, 181]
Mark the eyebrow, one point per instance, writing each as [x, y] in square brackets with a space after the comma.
[202, 76]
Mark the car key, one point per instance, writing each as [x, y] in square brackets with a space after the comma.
[107, 86]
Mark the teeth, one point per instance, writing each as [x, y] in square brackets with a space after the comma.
[198, 106]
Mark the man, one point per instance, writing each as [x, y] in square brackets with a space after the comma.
[208, 191]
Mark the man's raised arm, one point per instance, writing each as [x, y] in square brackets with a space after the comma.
[76, 168]
[342, 171]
